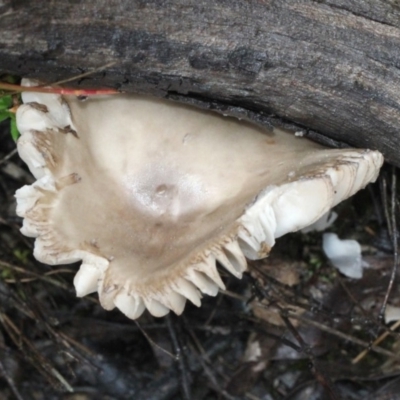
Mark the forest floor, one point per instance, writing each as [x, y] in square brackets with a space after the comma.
[292, 328]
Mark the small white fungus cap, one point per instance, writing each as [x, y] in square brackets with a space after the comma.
[345, 255]
[150, 194]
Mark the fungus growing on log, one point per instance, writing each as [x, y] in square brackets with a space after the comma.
[151, 194]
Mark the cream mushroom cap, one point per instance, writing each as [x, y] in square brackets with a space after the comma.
[150, 194]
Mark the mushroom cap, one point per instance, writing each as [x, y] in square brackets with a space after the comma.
[345, 255]
[149, 194]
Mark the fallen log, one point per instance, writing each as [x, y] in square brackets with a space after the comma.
[328, 67]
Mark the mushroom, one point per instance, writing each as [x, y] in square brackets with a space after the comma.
[345, 255]
[151, 194]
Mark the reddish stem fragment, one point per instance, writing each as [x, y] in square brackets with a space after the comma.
[57, 90]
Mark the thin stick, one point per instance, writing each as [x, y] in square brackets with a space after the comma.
[66, 91]
[20, 340]
[46, 88]
[180, 357]
[152, 342]
[54, 282]
[8, 156]
[85, 74]
[306, 349]
[395, 246]
[10, 382]
[383, 187]
[342, 335]
[376, 342]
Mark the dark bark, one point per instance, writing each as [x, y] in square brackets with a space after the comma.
[330, 66]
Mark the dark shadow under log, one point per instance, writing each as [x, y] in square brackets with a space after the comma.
[329, 66]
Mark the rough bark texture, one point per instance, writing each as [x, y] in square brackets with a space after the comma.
[329, 66]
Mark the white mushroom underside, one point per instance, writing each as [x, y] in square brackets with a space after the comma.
[150, 194]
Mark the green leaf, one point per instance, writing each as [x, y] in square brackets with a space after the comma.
[5, 102]
[4, 115]
[14, 130]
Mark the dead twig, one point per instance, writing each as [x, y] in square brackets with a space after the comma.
[383, 188]
[85, 74]
[8, 156]
[306, 349]
[152, 342]
[10, 382]
[204, 361]
[51, 87]
[375, 342]
[392, 223]
[44, 277]
[24, 344]
[180, 358]
[343, 335]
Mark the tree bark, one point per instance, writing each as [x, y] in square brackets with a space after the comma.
[324, 66]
